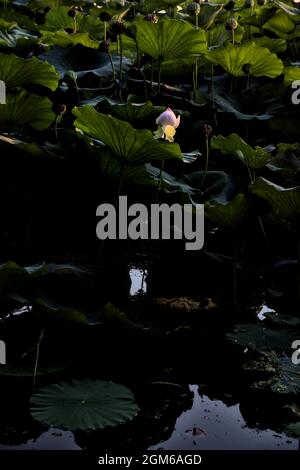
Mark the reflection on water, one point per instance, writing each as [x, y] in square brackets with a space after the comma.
[53, 439]
[138, 281]
[262, 311]
[212, 425]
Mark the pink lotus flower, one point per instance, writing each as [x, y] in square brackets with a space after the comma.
[167, 123]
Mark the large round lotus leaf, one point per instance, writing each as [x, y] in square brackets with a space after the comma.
[284, 202]
[15, 71]
[128, 144]
[26, 109]
[234, 59]
[170, 39]
[83, 404]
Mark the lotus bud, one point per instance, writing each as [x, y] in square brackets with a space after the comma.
[72, 12]
[208, 130]
[117, 27]
[194, 7]
[104, 16]
[59, 109]
[167, 123]
[152, 18]
[231, 24]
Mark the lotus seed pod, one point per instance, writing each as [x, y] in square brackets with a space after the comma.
[231, 24]
[194, 7]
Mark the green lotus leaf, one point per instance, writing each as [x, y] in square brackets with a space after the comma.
[131, 146]
[82, 60]
[11, 275]
[26, 370]
[7, 25]
[234, 58]
[294, 428]
[170, 39]
[274, 45]
[26, 109]
[229, 214]
[280, 24]
[284, 202]
[15, 72]
[287, 8]
[219, 35]
[286, 163]
[291, 74]
[57, 313]
[236, 146]
[58, 18]
[238, 107]
[133, 175]
[258, 336]
[134, 113]
[83, 404]
[63, 39]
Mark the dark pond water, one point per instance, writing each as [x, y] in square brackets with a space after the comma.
[207, 425]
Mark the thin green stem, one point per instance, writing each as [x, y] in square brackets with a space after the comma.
[159, 75]
[159, 184]
[206, 163]
[56, 126]
[151, 82]
[234, 271]
[112, 66]
[121, 55]
[38, 344]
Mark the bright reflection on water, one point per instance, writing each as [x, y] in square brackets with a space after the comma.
[220, 427]
[262, 311]
[138, 281]
[53, 439]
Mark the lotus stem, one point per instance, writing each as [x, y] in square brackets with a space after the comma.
[121, 55]
[232, 36]
[75, 25]
[105, 27]
[159, 184]
[212, 86]
[55, 127]
[197, 20]
[159, 75]
[206, 162]
[112, 66]
[38, 344]
[151, 82]
[196, 80]
[234, 271]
